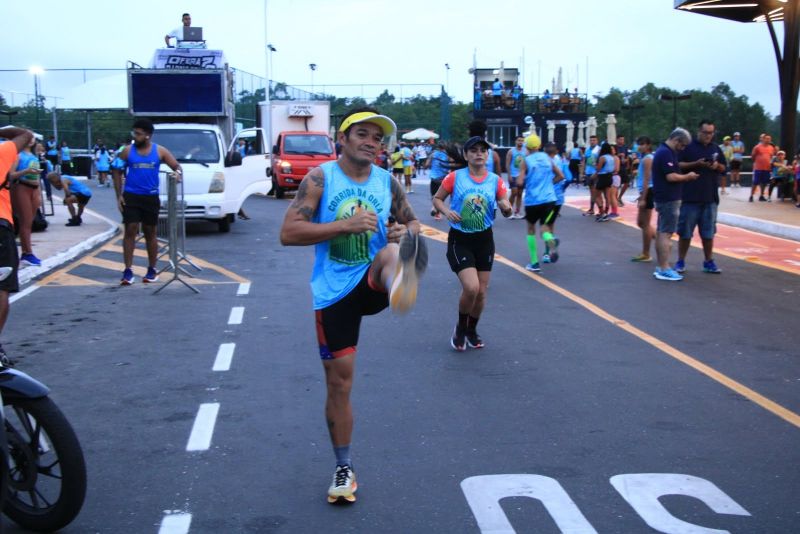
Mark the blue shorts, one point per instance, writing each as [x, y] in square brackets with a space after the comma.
[668, 216]
[761, 177]
[702, 215]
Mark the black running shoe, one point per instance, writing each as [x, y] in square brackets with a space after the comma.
[474, 340]
[458, 340]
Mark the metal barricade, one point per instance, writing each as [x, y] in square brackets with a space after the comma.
[171, 233]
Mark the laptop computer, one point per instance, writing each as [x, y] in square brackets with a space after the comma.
[192, 33]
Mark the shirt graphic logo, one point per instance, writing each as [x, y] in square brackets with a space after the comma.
[351, 249]
[473, 213]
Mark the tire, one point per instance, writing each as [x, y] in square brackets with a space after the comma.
[37, 500]
[279, 191]
[225, 225]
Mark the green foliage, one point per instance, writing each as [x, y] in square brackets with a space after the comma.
[729, 112]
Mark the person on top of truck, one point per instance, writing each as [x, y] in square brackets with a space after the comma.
[177, 33]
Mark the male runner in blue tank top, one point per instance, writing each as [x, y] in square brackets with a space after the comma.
[137, 196]
[368, 255]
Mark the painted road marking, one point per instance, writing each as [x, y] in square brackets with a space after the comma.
[63, 276]
[175, 523]
[24, 293]
[237, 312]
[730, 247]
[224, 357]
[244, 289]
[203, 428]
[642, 491]
[769, 405]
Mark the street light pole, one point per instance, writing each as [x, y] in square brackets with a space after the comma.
[313, 67]
[447, 78]
[674, 99]
[36, 71]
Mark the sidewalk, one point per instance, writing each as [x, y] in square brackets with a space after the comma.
[780, 219]
[60, 244]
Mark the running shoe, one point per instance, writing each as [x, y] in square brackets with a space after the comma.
[588, 212]
[458, 340]
[474, 340]
[434, 212]
[750, 199]
[711, 267]
[621, 203]
[546, 258]
[612, 216]
[151, 276]
[642, 258]
[73, 221]
[552, 246]
[437, 217]
[680, 266]
[127, 278]
[343, 486]
[30, 259]
[667, 274]
[762, 198]
[604, 218]
[5, 361]
[411, 264]
[533, 267]
[5, 272]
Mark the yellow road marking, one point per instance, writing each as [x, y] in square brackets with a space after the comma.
[784, 413]
[62, 276]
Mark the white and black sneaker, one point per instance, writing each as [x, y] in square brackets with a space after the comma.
[344, 486]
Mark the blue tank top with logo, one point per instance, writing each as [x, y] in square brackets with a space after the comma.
[103, 161]
[517, 156]
[440, 165]
[65, 154]
[474, 201]
[539, 179]
[341, 262]
[640, 173]
[142, 175]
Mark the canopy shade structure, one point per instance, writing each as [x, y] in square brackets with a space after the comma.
[788, 57]
[109, 92]
[420, 134]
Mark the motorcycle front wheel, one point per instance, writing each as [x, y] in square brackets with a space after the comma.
[47, 472]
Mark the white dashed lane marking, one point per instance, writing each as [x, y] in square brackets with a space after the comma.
[237, 313]
[224, 357]
[175, 524]
[203, 428]
[244, 289]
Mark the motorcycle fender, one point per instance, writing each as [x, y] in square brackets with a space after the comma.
[16, 384]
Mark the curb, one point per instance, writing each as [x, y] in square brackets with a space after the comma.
[28, 274]
[760, 225]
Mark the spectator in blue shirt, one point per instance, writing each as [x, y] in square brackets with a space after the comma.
[667, 190]
[700, 198]
[497, 93]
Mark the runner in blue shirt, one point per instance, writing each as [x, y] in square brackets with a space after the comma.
[75, 193]
[514, 158]
[538, 173]
[439, 167]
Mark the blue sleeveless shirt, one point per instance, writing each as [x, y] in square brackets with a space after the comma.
[490, 160]
[539, 179]
[341, 262]
[640, 173]
[474, 201]
[142, 175]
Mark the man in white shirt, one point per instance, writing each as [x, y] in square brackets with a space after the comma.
[177, 33]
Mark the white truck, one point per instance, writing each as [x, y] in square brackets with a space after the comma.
[300, 138]
[193, 113]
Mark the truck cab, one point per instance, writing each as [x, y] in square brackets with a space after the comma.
[294, 155]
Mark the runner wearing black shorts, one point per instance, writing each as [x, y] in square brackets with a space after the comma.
[475, 194]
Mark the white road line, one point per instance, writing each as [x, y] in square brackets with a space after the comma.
[244, 289]
[237, 312]
[224, 357]
[175, 524]
[25, 292]
[203, 428]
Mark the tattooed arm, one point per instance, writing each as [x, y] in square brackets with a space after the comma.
[298, 229]
[401, 210]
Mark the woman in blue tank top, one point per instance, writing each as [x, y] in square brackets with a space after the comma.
[475, 194]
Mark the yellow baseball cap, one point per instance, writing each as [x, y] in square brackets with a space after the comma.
[532, 142]
[385, 123]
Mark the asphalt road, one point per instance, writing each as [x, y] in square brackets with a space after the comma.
[604, 401]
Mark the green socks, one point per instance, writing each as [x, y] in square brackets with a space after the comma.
[532, 249]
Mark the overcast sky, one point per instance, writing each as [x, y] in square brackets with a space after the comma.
[628, 43]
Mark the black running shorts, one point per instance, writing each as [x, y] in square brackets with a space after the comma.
[435, 185]
[604, 181]
[541, 213]
[474, 249]
[140, 209]
[8, 256]
[339, 324]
